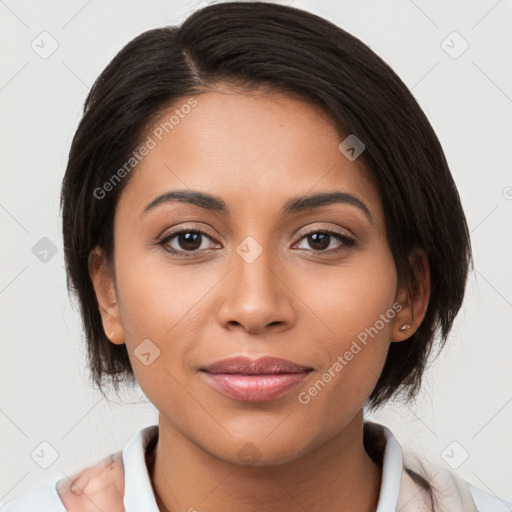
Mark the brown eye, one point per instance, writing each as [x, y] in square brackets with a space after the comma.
[185, 241]
[321, 240]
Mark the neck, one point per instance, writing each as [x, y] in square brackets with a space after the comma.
[338, 475]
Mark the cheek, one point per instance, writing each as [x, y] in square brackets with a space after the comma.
[160, 299]
[359, 313]
[352, 297]
[164, 310]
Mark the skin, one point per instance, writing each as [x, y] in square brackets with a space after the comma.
[255, 151]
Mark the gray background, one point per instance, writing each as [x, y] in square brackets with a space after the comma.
[465, 408]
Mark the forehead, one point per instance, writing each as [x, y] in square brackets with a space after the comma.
[251, 148]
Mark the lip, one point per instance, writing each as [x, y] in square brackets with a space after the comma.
[255, 380]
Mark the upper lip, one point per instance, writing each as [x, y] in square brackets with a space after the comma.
[260, 366]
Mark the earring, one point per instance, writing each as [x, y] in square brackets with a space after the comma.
[404, 327]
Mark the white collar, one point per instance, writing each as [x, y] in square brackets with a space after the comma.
[392, 468]
[139, 494]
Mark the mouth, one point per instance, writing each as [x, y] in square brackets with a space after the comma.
[260, 380]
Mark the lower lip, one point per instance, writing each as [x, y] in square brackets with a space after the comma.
[254, 388]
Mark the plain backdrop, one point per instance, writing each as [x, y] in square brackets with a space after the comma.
[462, 418]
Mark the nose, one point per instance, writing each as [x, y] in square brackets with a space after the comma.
[256, 296]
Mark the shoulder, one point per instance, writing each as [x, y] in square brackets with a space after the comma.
[100, 486]
[450, 490]
[486, 502]
[40, 498]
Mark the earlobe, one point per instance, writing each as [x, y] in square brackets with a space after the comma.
[102, 279]
[414, 304]
[403, 326]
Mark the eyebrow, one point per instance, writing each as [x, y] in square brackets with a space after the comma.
[293, 205]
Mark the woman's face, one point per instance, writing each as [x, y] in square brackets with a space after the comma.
[258, 280]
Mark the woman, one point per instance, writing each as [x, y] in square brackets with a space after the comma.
[263, 233]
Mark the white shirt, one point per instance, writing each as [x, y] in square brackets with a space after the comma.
[398, 491]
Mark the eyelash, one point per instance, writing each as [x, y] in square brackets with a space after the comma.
[347, 241]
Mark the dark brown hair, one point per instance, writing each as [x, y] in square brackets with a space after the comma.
[254, 45]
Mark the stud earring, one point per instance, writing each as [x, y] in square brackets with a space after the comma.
[404, 327]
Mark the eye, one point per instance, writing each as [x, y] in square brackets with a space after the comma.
[321, 240]
[185, 241]
[188, 242]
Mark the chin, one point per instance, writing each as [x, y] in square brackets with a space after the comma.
[262, 452]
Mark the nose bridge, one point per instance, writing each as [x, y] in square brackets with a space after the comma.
[255, 296]
[253, 268]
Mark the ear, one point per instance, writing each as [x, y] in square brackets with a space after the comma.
[414, 307]
[103, 280]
